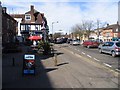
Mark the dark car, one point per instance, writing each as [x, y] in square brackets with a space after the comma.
[112, 48]
[68, 40]
[90, 43]
[59, 40]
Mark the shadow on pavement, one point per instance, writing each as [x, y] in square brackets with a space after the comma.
[12, 75]
[50, 69]
[62, 64]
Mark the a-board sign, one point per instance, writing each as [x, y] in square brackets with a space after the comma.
[28, 57]
[29, 64]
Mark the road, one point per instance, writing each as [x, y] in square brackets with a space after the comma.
[93, 53]
[79, 72]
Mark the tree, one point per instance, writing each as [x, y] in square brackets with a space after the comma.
[57, 35]
[87, 26]
[83, 28]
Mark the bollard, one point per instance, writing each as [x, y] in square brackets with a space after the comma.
[55, 61]
[13, 61]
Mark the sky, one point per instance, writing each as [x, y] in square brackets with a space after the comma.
[67, 12]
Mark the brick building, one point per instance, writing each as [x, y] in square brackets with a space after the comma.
[111, 32]
[8, 28]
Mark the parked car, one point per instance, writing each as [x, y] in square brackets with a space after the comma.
[75, 42]
[90, 43]
[112, 48]
[100, 41]
[59, 40]
[68, 40]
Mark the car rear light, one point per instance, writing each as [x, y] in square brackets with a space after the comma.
[117, 49]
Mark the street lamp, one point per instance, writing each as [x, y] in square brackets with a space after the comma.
[52, 28]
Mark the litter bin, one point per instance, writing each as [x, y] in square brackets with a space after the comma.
[28, 64]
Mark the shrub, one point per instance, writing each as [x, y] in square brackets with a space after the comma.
[45, 46]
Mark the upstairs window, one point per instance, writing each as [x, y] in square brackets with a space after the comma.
[117, 30]
[27, 17]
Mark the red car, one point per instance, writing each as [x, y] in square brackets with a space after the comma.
[90, 43]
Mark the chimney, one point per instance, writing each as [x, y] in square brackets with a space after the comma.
[117, 23]
[32, 7]
[107, 24]
[4, 9]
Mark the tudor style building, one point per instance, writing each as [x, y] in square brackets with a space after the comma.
[31, 23]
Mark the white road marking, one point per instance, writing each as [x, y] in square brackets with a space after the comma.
[107, 65]
[89, 56]
[96, 59]
[83, 53]
[117, 70]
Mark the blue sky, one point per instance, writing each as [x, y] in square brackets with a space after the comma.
[67, 12]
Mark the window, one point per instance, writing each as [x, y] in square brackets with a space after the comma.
[107, 34]
[27, 17]
[117, 30]
[118, 44]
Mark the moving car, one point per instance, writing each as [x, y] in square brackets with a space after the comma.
[112, 47]
[90, 43]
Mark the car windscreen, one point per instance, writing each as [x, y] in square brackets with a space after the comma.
[118, 44]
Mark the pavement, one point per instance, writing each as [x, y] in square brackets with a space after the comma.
[12, 77]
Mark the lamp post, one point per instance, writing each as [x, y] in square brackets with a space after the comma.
[52, 28]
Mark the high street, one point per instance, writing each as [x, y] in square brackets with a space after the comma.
[72, 71]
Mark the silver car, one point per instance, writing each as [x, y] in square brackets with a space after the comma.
[112, 48]
[75, 42]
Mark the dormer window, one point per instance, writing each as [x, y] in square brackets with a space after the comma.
[27, 17]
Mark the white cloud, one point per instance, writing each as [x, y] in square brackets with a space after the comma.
[69, 14]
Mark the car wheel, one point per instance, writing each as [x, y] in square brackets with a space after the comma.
[113, 53]
[100, 50]
[88, 46]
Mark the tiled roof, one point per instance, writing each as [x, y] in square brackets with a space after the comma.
[35, 11]
[113, 26]
[17, 15]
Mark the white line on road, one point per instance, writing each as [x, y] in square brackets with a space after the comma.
[96, 59]
[107, 65]
[117, 70]
[89, 56]
[83, 53]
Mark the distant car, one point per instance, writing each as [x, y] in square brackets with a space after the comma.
[59, 41]
[68, 40]
[100, 41]
[112, 48]
[75, 42]
[90, 43]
